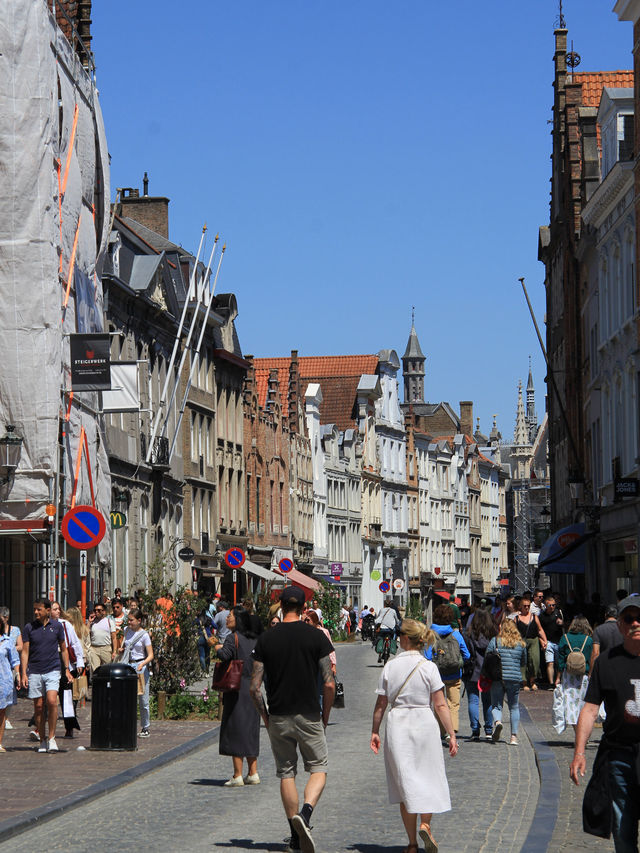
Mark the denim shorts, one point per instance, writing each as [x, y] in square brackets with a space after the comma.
[551, 653]
[41, 683]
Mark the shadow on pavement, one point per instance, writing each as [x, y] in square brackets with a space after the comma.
[377, 848]
[249, 844]
[212, 783]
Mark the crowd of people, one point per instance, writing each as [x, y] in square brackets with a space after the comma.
[589, 655]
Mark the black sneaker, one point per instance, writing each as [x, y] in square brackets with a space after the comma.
[475, 736]
[303, 829]
[289, 845]
[145, 733]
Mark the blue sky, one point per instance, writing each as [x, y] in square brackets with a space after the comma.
[358, 158]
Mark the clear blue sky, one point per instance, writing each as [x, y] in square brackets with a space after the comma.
[359, 158]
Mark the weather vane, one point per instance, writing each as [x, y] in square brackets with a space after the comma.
[562, 24]
[413, 314]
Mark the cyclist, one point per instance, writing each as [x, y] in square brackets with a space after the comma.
[387, 624]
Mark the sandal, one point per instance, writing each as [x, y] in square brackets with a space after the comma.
[411, 847]
[430, 845]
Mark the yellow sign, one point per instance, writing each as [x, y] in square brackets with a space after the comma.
[118, 520]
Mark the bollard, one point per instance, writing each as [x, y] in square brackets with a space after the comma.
[162, 703]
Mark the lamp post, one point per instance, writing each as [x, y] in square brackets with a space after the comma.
[10, 452]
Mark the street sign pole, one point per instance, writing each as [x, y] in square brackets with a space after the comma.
[83, 583]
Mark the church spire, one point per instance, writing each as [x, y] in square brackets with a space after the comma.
[413, 370]
[531, 418]
[521, 434]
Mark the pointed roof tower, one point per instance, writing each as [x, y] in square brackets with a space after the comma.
[413, 370]
[521, 434]
[531, 417]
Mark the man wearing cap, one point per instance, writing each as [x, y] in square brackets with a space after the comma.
[616, 681]
[289, 659]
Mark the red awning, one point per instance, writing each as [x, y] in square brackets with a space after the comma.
[309, 585]
[443, 593]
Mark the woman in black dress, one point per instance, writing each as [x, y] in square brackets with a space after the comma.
[240, 727]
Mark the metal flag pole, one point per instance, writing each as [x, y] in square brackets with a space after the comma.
[196, 357]
[198, 293]
[552, 380]
[158, 416]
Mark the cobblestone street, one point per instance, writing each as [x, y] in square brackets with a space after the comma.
[494, 793]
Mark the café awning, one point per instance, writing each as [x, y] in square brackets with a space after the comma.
[564, 551]
[262, 572]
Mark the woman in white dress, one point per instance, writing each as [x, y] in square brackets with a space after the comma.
[413, 757]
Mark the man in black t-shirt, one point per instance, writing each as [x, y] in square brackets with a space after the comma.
[289, 658]
[616, 681]
[552, 625]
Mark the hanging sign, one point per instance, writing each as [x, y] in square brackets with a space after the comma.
[384, 586]
[83, 527]
[285, 565]
[90, 362]
[375, 575]
[187, 554]
[234, 557]
[117, 519]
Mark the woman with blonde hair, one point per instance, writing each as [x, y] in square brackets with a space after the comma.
[513, 655]
[413, 758]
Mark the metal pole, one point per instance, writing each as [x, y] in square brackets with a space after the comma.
[176, 343]
[553, 382]
[186, 347]
[197, 354]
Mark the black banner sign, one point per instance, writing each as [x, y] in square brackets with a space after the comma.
[90, 363]
[625, 487]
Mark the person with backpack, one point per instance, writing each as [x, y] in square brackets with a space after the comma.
[448, 654]
[574, 655]
[478, 637]
[512, 651]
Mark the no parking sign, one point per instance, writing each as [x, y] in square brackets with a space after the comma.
[384, 586]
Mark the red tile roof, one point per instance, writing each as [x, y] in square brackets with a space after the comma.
[337, 375]
[593, 83]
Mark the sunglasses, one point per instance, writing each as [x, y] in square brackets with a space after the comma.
[629, 619]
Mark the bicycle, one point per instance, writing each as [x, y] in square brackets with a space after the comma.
[385, 652]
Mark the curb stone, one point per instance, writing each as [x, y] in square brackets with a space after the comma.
[546, 813]
[27, 820]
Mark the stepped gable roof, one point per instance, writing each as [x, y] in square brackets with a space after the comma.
[337, 375]
[593, 83]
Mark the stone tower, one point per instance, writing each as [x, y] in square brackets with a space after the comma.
[413, 369]
[530, 417]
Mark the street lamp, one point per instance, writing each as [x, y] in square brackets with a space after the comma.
[10, 452]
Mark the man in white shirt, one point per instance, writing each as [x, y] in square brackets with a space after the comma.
[103, 637]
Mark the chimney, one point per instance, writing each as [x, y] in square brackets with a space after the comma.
[466, 417]
[150, 211]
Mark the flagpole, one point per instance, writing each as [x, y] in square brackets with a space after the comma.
[197, 354]
[156, 422]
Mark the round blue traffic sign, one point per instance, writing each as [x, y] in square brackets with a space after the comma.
[234, 557]
[83, 527]
[383, 586]
[285, 564]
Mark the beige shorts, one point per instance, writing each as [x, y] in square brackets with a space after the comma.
[296, 731]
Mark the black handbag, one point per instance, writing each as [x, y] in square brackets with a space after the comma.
[338, 702]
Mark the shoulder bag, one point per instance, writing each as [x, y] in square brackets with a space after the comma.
[227, 673]
[404, 684]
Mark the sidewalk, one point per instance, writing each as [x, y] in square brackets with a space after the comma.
[560, 800]
[46, 784]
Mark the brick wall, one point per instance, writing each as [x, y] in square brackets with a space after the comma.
[76, 23]
[150, 211]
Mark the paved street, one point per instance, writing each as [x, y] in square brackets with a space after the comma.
[494, 794]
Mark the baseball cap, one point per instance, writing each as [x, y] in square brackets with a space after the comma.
[292, 594]
[632, 600]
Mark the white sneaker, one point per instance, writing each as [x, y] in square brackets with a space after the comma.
[43, 746]
[33, 734]
[7, 724]
[253, 779]
[234, 782]
[53, 746]
[497, 731]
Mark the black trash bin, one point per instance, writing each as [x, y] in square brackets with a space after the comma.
[114, 707]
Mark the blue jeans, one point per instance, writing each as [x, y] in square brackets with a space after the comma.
[203, 653]
[512, 689]
[473, 696]
[625, 793]
[143, 700]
